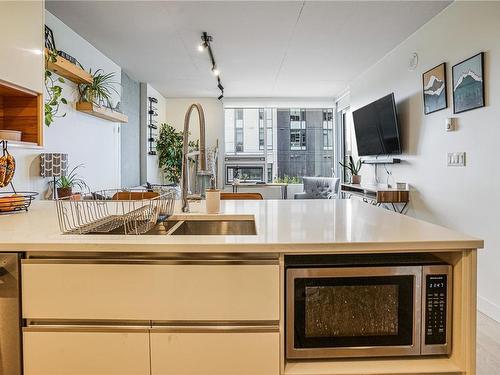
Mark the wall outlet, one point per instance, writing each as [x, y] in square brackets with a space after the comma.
[456, 159]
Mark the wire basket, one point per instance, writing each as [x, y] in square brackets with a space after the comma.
[114, 211]
[15, 201]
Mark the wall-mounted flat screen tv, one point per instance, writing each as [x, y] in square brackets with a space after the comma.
[376, 128]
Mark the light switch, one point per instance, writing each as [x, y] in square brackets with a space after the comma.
[456, 159]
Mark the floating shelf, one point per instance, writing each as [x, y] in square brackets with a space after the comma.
[68, 70]
[387, 160]
[104, 113]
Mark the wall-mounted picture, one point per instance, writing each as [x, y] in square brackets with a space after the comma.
[434, 88]
[468, 84]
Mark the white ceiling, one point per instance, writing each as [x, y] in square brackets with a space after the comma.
[263, 49]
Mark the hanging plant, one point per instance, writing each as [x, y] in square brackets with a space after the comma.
[100, 91]
[54, 96]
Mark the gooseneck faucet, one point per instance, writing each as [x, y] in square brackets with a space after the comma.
[185, 144]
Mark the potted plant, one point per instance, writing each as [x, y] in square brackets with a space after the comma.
[354, 168]
[100, 91]
[65, 184]
[169, 151]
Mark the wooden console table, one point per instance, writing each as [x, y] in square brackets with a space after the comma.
[378, 195]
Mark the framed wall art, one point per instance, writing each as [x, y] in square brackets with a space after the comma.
[468, 84]
[434, 89]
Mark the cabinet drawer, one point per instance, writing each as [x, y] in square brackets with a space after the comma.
[85, 353]
[152, 291]
[221, 353]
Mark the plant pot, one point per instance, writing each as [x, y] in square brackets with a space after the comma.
[64, 192]
[356, 179]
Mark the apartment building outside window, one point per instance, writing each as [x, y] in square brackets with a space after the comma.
[328, 129]
[266, 125]
[238, 130]
[298, 129]
[266, 144]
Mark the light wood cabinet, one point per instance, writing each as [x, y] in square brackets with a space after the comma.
[155, 291]
[221, 353]
[85, 352]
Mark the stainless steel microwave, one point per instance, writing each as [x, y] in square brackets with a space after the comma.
[374, 310]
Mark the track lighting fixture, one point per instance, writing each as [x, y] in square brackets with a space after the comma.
[205, 45]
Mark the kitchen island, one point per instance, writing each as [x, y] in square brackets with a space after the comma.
[197, 304]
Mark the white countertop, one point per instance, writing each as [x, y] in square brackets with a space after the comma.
[283, 226]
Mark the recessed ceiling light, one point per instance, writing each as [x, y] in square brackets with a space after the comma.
[201, 47]
[215, 71]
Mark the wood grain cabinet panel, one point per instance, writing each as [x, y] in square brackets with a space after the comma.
[86, 353]
[222, 292]
[223, 353]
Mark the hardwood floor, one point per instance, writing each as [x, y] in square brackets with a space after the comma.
[488, 346]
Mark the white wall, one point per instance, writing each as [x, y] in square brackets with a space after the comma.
[87, 139]
[214, 121]
[463, 199]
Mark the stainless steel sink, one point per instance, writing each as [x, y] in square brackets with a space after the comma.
[206, 227]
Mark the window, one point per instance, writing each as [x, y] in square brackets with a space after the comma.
[270, 172]
[249, 143]
[297, 129]
[297, 139]
[266, 125]
[238, 130]
[328, 129]
[263, 143]
[247, 173]
[348, 134]
[261, 129]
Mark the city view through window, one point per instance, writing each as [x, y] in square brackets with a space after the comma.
[278, 144]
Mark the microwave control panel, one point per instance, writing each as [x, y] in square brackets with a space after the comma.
[435, 309]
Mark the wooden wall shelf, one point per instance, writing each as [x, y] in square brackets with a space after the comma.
[68, 70]
[104, 113]
[21, 110]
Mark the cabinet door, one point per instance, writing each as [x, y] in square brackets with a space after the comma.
[21, 38]
[221, 353]
[85, 353]
[153, 291]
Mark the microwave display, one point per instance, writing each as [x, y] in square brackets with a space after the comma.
[351, 310]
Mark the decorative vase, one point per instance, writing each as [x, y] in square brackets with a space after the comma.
[64, 192]
[356, 179]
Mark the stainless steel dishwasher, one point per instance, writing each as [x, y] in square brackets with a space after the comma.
[10, 315]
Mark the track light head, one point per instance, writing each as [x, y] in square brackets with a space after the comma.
[221, 88]
[221, 96]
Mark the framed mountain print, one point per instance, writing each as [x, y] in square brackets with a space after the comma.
[468, 84]
[434, 89]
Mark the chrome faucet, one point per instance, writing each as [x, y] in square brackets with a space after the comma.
[185, 144]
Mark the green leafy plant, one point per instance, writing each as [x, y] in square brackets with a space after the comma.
[100, 91]
[352, 166]
[54, 96]
[71, 180]
[287, 180]
[169, 150]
